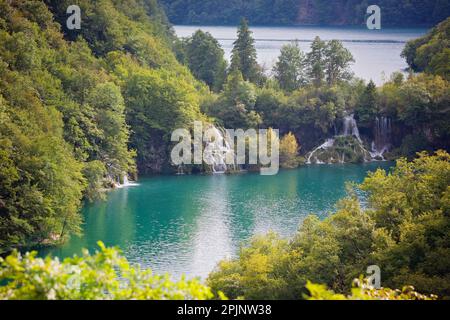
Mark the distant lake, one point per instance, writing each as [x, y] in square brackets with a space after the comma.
[377, 52]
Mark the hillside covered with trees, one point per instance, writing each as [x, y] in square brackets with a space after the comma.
[82, 109]
[288, 12]
[108, 97]
[431, 53]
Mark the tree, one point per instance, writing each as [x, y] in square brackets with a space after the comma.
[316, 62]
[206, 59]
[235, 107]
[289, 149]
[430, 53]
[440, 64]
[337, 62]
[367, 108]
[158, 102]
[244, 54]
[289, 69]
[113, 138]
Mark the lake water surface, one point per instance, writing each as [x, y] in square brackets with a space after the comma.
[186, 224]
[376, 52]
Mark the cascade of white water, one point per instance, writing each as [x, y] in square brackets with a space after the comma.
[218, 152]
[351, 127]
[180, 170]
[382, 134]
[327, 144]
[125, 183]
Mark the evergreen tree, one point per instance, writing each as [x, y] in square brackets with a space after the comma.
[244, 54]
[316, 62]
[367, 109]
[289, 69]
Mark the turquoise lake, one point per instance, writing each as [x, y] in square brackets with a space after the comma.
[186, 224]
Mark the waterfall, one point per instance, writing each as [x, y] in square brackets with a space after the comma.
[382, 134]
[126, 182]
[327, 144]
[218, 151]
[349, 129]
[180, 171]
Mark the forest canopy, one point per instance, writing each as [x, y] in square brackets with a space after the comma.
[80, 110]
[288, 12]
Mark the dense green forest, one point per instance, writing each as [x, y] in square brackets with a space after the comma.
[68, 100]
[431, 53]
[286, 12]
[109, 95]
[82, 110]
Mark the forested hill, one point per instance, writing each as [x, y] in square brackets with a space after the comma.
[287, 12]
[81, 109]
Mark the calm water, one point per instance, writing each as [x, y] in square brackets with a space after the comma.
[376, 52]
[186, 224]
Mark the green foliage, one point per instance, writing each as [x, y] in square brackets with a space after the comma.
[105, 275]
[244, 54]
[420, 105]
[337, 62]
[206, 59]
[253, 275]
[66, 98]
[283, 12]
[328, 61]
[403, 228]
[106, 99]
[94, 172]
[235, 107]
[158, 103]
[41, 183]
[316, 62]
[431, 53]
[410, 208]
[362, 291]
[289, 69]
[289, 149]
[367, 109]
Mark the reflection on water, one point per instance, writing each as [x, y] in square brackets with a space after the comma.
[186, 224]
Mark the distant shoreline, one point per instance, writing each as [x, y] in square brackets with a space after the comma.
[350, 26]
